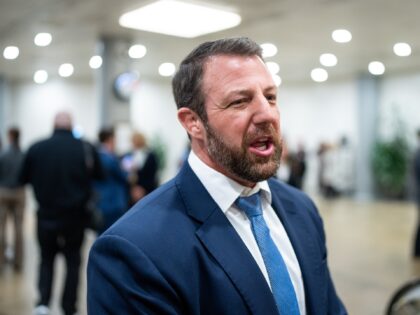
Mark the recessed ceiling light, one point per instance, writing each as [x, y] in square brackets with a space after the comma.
[43, 39]
[268, 50]
[137, 51]
[328, 60]
[402, 49]
[11, 52]
[273, 67]
[319, 75]
[177, 18]
[66, 70]
[376, 68]
[277, 79]
[95, 62]
[40, 76]
[341, 36]
[166, 69]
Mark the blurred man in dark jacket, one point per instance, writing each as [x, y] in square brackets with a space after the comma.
[60, 170]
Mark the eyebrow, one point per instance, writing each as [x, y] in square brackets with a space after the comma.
[246, 92]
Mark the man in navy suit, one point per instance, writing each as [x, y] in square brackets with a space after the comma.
[187, 248]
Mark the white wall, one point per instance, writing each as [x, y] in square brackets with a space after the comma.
[310, 113]
[400, 96]
[153, 111]
[315, 113]
[318, 112]
[5, 102]
[33, 107]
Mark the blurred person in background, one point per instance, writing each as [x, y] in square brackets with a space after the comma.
[344, 165]
[297, 162]
[417, 178]
[111, 192]
[142, 164]
[12, 198]
[327, 170]
[336, 168]
[185, 154]
[58, 171]
[321, 152]
[222, 237]
[283, 172]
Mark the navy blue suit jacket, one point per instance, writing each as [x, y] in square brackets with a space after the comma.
[175, 252]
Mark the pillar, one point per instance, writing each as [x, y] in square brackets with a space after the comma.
[368, 107]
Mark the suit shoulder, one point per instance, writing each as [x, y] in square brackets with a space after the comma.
[286, 192]
[150, 209]
[39, 145]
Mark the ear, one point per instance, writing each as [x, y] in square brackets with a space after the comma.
[191, 123]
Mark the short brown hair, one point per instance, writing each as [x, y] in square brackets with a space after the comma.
[105, 134]
[187, 82]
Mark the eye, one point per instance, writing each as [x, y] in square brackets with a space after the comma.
[238, 102]
[272, 98]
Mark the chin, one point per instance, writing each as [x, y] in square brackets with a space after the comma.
[258, 173]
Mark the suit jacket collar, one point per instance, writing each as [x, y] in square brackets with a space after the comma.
[222, 241]
[225, 245]
[301, 233]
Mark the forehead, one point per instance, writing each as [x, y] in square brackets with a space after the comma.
[224, 71]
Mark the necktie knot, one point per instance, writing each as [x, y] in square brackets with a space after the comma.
[251, 205]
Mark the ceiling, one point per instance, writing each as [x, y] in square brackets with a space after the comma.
[300, 28]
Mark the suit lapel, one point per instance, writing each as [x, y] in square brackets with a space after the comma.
[301, 233]
[222, 241]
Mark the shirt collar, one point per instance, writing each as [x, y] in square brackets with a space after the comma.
[221, 188]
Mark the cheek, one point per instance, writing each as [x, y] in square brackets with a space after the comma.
[232, 126]
[237, 129]
[277, 123]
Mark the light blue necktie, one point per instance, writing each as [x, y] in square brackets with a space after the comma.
[281, 284]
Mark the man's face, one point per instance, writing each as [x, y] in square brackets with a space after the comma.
[243, 129]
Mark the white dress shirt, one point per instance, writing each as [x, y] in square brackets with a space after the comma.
[224, 192]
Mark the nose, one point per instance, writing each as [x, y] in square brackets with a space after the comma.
[266, 111]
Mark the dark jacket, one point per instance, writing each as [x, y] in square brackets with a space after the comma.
[57, 168]
[113, 191]
[147, 175]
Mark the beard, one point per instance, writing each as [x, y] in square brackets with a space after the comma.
[238, 161]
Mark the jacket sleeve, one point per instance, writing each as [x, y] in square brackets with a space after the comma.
[24, 176]
[121, 279]
[334, 303]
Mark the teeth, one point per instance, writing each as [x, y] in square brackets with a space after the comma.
[262, 147]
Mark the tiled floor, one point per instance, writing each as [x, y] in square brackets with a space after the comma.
[369, 255]
[369, 251]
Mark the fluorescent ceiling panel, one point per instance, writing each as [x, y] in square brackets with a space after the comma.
[183, 19]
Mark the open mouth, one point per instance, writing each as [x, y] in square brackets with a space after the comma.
[263, 146]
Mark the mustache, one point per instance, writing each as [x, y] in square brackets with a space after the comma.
[263, 131]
